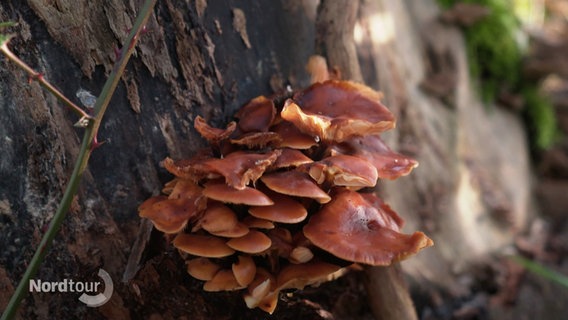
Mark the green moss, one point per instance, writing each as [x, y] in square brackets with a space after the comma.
[495, 60]
[541, 118]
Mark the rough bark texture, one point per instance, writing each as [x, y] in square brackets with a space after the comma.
[470, 192]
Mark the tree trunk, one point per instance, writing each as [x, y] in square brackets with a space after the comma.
[208, 58]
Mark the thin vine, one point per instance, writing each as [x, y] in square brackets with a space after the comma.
[88, 144]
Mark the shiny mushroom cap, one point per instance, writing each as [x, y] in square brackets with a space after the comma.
[257, 115]
[338, 110]
[212, 134]
[224, 193]
[202, 268]
[220, 220]
[352, 229]
[295, 183]
[284, 210]
[170, 215]
[253, 242]
[389, 164]
[203, 246]
[240, 168]
[344, 170]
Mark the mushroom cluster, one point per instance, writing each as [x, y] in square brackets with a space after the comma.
[283, 197]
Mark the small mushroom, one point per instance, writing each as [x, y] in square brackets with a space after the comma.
[211, 134]
[220, 220]
[171, 215]
[290, 158]
[257, 139]
[203, 246]
[185, 189]
[344, 170]
[253, 242]
[224, 280]
[257, 115]
[292, 137]
[352, 229]
[295, 183]
[389, 164]
[338, 110]
[202, 268]
[284, 210]
[300, 255]
[244, 270]
[300, 275]
[258, 223]
[240, 168]
[224, 193]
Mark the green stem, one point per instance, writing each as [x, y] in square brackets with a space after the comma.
[81, 162]
[541, 270]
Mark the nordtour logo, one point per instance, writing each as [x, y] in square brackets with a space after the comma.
[88, 288]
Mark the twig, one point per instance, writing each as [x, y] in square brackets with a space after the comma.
[44, 83]
[87, 145]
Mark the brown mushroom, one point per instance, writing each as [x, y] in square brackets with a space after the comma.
[185, 189]
[350, 228]
[263, 283]
[257, 115]
[220, 220]
[344, 170]
[224, 280]
[211, 134]
[253, 242]
[300, 255]
[202, 268]
[257, 139]
[258, 223]
[224, 193]
[203, 246]
[300, 275]
[338, 110]
[292, 137]
[189, 168]
[240, 168]
[171, 215]
[290, 158]
[244, 270]
[284, 210]
[389, 164]
[295, 183]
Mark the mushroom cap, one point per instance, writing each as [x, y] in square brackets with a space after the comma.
[292, 137]
[338, 110]
[240, 168]
[220, 220]
[295, 183]
[244, 270]
[344, 170]
[258, 223]
[202, 268]
[389, 164]
[284, 210]
[300, 275]
[189, 169]
[352, 229]
[203, 246]
[185, 189]
[253, 242]
[300, 255]
[258, 139]
[212, 134]
[224, 280]
[224, 193]
[171, 215]
[257, 115]
[290, 158]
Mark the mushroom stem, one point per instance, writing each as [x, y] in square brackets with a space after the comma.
[388, 293]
